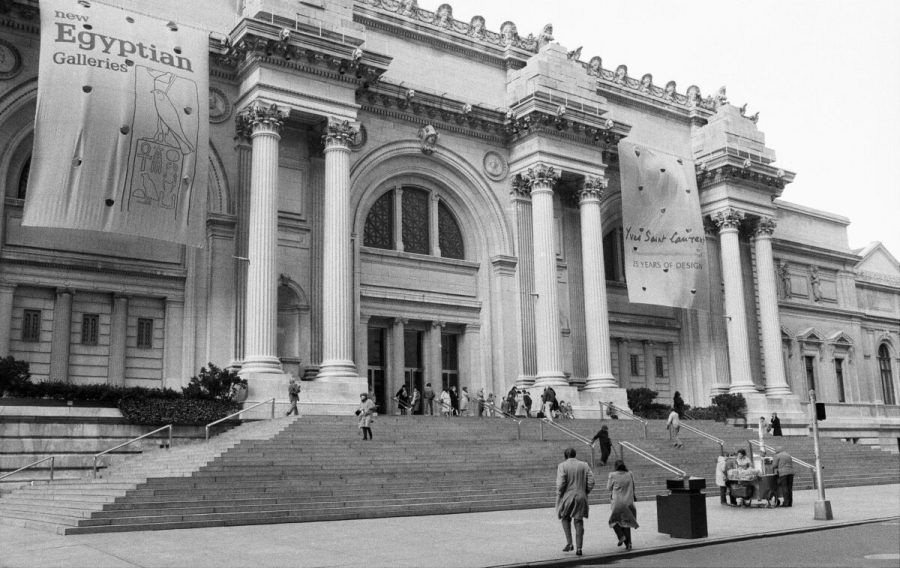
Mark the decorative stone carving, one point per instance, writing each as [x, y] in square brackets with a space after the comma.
[669, 93]
[721, 98]
[428, 136]
[541, 174]
[10, 60]
[476, 27]
[646, 83]
[815, 284]
[545, 37]
[765, 226]
[575, 54]
[595, 66]
[444, 16]
[592, 188]
[340, 133]
[360, 139]
[509, 34]
[520, 186]
[219, 107]
[728, 219]
[621, 74]
[784, 275]
[495, 167]
[693, 95]
[409, 7]
[258, 115]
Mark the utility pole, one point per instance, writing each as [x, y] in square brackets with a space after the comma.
[822, 510]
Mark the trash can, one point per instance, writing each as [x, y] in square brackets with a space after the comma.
[682, 513]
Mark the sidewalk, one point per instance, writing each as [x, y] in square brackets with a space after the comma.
[478, 539]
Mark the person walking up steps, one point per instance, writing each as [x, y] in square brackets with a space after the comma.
[574, 480]
[294, 396]
[623, 516]
[674, 426]
[602, 437]
[365, 414]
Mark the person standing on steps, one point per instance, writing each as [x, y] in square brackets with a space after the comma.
[521, 411]
[454, 402]
[674, 426]
[574, 480]
[428, 395]
[365, 414]
[623, 516]
[775, 425]
[678, 404]
[602, 438]
[446, 403]
[783, 464]
[526, 396]
[464, 400]
[479, 403]
[294, 396]
[402, 398]
[415, 405]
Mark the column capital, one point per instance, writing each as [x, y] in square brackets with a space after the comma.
[622, 340]
[65, 290]
[729, 218]
[592, 189]
[520, 187]
[259, 117]
[765, 227]
[438, 323]
[538, 176]
[339, 134]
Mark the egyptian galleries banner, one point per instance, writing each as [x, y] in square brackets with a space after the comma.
[665, 246]
[121, 131]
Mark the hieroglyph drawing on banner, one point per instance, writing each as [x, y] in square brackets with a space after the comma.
[121, 135]
[664, 241]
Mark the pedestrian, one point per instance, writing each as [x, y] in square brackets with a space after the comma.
[294, 396]
[602, 438]
[775, 425]
[547, 409]
[623, 515]
[783, 465]
[526, 396]
[678, 404]
[415, 404]
[454, 401]
[446, 403]
[722, 478]
[402, 398]
[428, 397]
[574, 480]
[674, 426]
[479, 403]
[366, 415]
[490, 404]
[521, 411]
[464, 400]
[512, 400]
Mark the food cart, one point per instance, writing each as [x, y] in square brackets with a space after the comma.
[751, 487]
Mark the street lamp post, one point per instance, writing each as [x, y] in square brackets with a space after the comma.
[822, 510]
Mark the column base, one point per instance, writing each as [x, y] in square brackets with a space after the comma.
[778, 391]
[587, 402]
[332, 397]
[524, 381]
[337, 370]
[601, 381]
[551, 379]
[718, 388]
[260, 364]
[744, 389]
[263, 386]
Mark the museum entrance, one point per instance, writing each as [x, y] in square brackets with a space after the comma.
[376, 367]
[413, 369]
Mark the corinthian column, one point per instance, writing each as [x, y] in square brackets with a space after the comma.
[776, 382]
[262, 125]
[596, 316]
[541, 179]
[337, 304]
[735, 313]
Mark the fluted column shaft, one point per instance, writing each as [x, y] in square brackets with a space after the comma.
[260, 341]
[776, 382]
[549, 360]
[337, 304]
[735, 312]
[242, 206]
[624, 363]
[596, 315]
[62, 333]
[118, 327]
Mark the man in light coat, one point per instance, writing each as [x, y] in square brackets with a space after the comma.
[783, 465]
[574, 480]
[674, 426]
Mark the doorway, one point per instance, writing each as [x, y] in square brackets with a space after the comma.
[376, 367]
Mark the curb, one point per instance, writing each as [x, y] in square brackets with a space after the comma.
[596, 559]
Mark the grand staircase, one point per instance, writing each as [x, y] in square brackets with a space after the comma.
[317, 468]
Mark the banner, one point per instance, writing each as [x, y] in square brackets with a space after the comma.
[665, 245]
[121, 130]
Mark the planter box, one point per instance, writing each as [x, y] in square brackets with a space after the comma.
[53, 402]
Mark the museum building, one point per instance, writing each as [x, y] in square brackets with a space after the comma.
[399, 195]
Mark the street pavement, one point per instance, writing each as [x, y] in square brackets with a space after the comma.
[524, 537]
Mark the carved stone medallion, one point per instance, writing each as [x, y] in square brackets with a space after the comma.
[219, 107]
[495, 167]
[10, 60]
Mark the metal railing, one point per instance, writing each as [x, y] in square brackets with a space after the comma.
[618, 410]
[649, 457]
[570, 433]
[767, 448]
[719, 441]
[241, 411]
[123, 444]
[505, 414]
[52, 460]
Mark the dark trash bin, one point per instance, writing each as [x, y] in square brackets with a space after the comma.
[682, 513]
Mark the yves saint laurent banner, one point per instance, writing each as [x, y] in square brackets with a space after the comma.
[665, 246]
[121, 133]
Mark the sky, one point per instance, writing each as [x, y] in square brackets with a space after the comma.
[823, 74]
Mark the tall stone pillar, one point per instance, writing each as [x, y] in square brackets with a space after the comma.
[596, 316]
[262, 125]
[649, 365]
[729, 221]
[541, 179]
[7, 292]
[624, 363]
[241, 238]
[173, 346]
[776, 382]
[433, 363]
[118, 327]
[62, 334]
[337, 281]
[525, 279]
[397, 361]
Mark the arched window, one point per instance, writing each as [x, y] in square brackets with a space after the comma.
[23, 179]
[887, 375]
[415, 233]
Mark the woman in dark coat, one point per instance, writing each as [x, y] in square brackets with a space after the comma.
[605, 444]
[454, 401]
[775, 425]
[623, 517]
[678, 404]
[402, 399]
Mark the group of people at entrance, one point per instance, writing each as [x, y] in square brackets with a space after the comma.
[518, 402]
[574, 481]
[448, 403]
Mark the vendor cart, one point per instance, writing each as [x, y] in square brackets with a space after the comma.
[759, 492]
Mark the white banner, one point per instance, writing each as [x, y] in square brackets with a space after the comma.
[665, 245]
[122, 124]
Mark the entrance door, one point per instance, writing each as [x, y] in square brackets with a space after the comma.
[413, 371]
[376, 366]
[449, 361]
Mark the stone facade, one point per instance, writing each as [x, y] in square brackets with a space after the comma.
[397, 196]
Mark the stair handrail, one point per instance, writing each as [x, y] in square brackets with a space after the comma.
[568, 432]
[123, 444]
[651, 458]
[506, 414]
[32, 464]
[807, 465]
[617, 410]
[241, 411]
[706, 435]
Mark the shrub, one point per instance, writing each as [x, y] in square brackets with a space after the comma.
[178, 411]
[716, 413]
[733, 405]
[14, 375]
[214, 384]
[640, 398]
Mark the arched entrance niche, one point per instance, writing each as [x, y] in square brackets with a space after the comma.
[293, 326]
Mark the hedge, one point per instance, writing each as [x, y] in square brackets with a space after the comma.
[179, 411]
[57, 390]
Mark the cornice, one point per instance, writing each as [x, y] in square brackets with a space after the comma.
[56, 262]
[746, 172]
[807, 250]
[20, 16]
